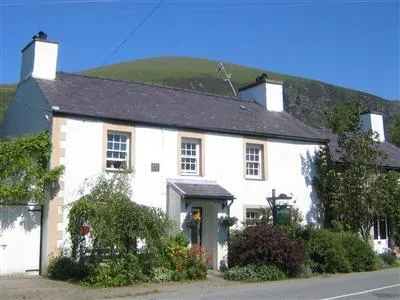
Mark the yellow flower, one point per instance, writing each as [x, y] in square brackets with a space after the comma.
[197, 217]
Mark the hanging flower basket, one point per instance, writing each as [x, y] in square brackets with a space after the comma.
[85, 230]
[227, 221]
[192, 220]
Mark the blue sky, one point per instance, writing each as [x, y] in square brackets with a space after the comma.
[351, 43]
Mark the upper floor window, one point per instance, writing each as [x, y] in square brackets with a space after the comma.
[254, 159]
[117, 153]
[190, 156]
[254, 163]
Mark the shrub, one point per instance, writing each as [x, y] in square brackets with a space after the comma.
[162, 274]
[121, 271]
[389, 258]
[327, 252]
[65, 268]
[241, 273]
[254, 273]
[263, 245]
[196, 264]
[359, 253]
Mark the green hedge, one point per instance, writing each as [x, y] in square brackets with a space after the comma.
[254, 273]
[339, 252]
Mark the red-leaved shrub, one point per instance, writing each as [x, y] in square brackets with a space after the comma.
[264, 245]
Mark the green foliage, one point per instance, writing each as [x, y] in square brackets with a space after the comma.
[352, 187]
[6, 93]
[65, 268]
[187, 263]
[163, 274]
[341, 252]
[254, 273]
[196, 264]
[227, 221]
[126, 243]
[327, 252]
[121, 271]
[395, 131]
[116, 223]
[264, 245]
[24, 173]
[359, 253]
[388, 258]
[389, 188]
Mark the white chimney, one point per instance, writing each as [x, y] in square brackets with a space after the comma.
[373, 122]
[267, 92]
[39, 59]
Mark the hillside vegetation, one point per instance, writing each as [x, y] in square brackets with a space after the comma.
[304, 98]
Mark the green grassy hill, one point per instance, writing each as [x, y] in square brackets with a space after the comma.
[6, 92]
[304, 98]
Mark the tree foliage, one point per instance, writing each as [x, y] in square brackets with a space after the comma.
[116, 223]
[395, 131]
[24, 173]
[352, 187]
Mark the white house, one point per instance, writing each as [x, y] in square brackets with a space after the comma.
[190, 151]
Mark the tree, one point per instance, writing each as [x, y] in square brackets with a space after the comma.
[24, 173]
[352, 187]
[115, 221]
[395, 131]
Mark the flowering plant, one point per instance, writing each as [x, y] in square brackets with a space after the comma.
[192, 220]
[227, 221]
[189, 263]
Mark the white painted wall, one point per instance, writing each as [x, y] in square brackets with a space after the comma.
[256, 93]
[39, 60]
[223, 163]
[373, 122]
[19, 239]
[267, 94]
[28, 111]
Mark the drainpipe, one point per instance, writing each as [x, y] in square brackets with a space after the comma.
[229, 206]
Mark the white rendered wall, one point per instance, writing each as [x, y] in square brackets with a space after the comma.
[373, 122]
[39, 60]
[19, 239]
[267, 94]
[289, 166]
[27, 113]
[256, 93]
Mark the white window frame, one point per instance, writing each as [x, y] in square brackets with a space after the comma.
[250, 160]
[377, 229]
[255, 211]
[187, 158]
[115, 146]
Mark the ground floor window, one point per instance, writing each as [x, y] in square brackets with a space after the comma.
[255, 215]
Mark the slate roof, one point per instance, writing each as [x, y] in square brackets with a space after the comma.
[203, 191]
[391, 159]
[143, 103]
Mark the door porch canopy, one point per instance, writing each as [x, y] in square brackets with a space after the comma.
[201, 191]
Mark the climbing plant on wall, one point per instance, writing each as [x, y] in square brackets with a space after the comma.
[24, 170]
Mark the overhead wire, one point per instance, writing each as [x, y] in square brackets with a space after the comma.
[133, 31]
